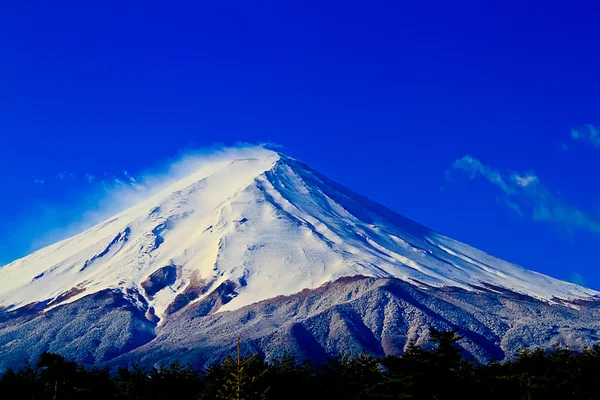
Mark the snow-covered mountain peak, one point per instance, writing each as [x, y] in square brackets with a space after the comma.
[248, 228]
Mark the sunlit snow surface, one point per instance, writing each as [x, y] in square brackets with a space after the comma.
[267, 223]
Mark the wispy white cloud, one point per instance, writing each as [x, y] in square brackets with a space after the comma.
[588, 134]
[525, 194]
[524, 180]
[577, 278]
[269, 145]
[563, 147]
[64, 175]
[474, 167]
[130, 178]
[112, 194]
[39, 181]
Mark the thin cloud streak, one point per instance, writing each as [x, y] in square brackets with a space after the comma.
[578, 279]
[588, 134]
[526, 195]
[474, 167]
[108, 196]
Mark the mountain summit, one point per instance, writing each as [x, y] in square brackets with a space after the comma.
[256, 226]
[240, 234]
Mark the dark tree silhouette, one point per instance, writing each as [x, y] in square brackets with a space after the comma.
[439, 373]
[57, 374]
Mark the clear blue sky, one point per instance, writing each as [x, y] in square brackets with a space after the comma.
[385, 97]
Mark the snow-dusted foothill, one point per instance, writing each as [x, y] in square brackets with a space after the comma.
[244, 229]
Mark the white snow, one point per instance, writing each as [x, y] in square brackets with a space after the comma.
[271, 225]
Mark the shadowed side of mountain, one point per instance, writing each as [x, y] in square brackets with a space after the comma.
[248, 229]
[350, 315]
[355, 203]
[377, 315]
[92, 330]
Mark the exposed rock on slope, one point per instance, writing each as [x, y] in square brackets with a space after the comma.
[378, 315]
[180, 274]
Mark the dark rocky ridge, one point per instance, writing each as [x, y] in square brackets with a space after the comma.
[163, 277]
[378, 315]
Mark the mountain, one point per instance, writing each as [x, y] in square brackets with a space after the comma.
[259, 245]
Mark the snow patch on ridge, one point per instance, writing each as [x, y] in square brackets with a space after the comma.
[254, 227]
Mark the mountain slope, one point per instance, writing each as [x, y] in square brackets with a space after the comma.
[379, 315]
[209, 257]
[257, 227]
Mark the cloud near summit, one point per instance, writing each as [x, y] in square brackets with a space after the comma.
[107, 195]
[588, 134]
[526, 195]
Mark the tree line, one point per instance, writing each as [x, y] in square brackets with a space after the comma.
[439, 373]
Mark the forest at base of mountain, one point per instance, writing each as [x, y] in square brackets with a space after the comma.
[439, 373]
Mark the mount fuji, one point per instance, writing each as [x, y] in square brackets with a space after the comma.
[259, 245]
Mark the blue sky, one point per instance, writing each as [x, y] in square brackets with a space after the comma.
[477, 120]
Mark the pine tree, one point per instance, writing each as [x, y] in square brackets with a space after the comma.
[132, 384]
[285, 373]
[447, 353]
[440, 373]
[57, 373]
[22, 384]
[240, 383]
